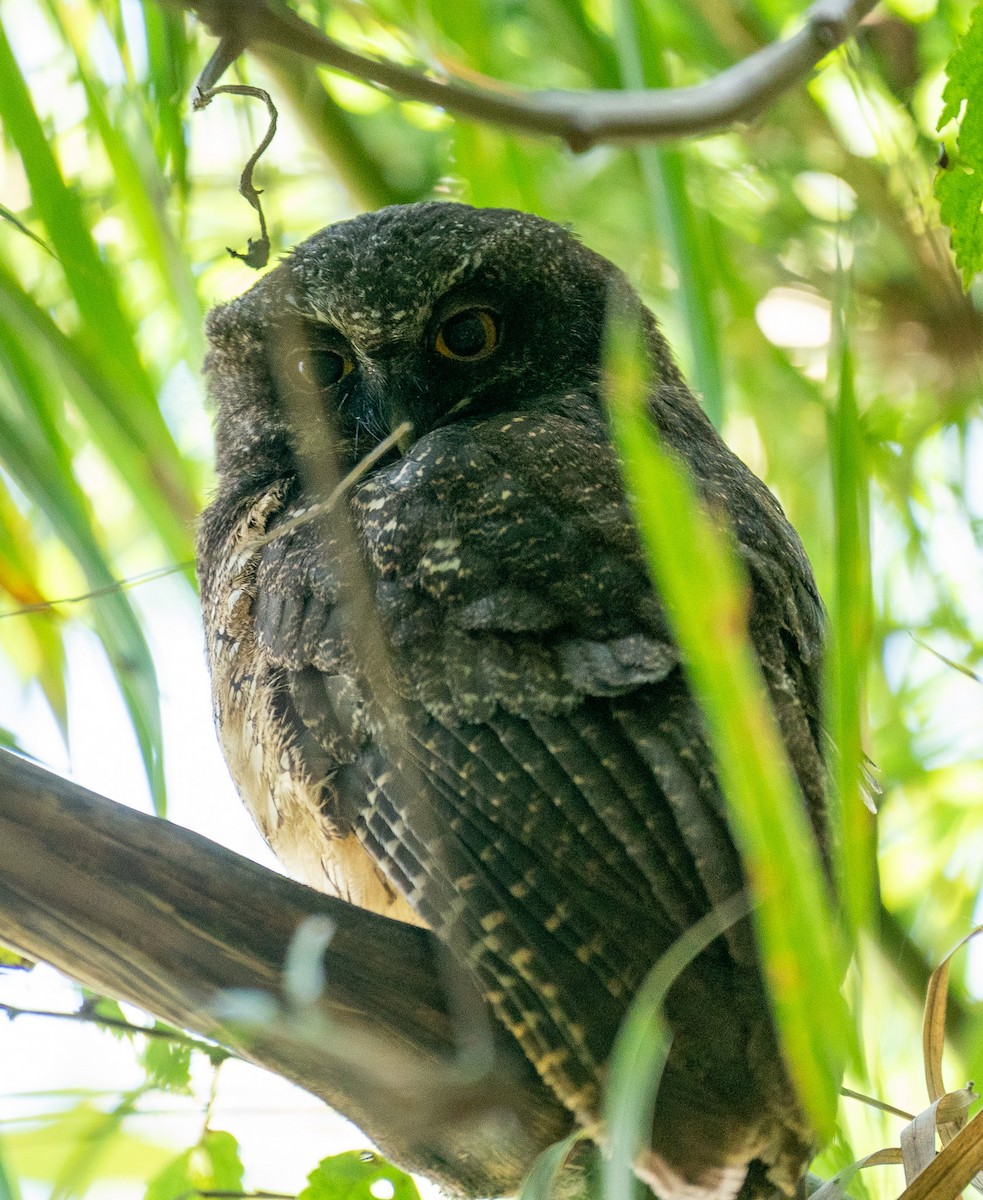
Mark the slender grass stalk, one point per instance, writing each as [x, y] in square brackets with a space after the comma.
[664, 177]
[851, 626]
[698, 577]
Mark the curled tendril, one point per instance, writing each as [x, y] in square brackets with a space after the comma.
[257, 253]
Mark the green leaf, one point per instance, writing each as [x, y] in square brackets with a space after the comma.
[168, 1064]
[95, 383]
[9, 741]
[213, 1165]
[540, 1183]
[664, 176]
[9, 1189]
[225, 1163]
[132, 404]
[39, 1153]
[105, 1006]
[959, 187]
[174, 1180]
[142, 189]
[36, 455]
[169, 60]
[352, 1176]
[68, 1148]
[32, 640]
[960, 193]
[11, 959]
[698, 576]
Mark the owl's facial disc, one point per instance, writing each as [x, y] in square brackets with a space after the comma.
[431, 367]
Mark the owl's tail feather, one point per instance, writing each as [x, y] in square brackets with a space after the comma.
[769, 1166]
[716, 1183]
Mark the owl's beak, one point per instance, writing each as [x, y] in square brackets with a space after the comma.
[396, 395]
[405, 420]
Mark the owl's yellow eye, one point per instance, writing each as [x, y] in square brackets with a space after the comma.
[324, 368]
[468, 335]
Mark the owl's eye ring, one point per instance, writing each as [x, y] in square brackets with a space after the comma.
[323, 368]
[469, 335]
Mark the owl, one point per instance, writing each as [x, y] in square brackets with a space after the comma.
[454, 698]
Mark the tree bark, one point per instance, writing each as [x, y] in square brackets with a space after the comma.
[145, 911]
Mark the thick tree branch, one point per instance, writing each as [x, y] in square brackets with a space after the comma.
[581, 118]
[145, 911]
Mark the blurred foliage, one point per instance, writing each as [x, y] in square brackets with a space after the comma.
[798, 266]
[213, 1165]
[959, 186]
[358, 1175]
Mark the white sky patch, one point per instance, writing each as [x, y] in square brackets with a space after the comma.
[795, 318]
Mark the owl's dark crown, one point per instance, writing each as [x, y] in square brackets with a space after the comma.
[426, 312]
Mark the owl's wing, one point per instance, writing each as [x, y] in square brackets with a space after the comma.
[547, 800]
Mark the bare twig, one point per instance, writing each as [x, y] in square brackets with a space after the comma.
[323, 507]
[118, 585]
[213, 1194]
[88, 1017]
[581, 118]
[873, 1102]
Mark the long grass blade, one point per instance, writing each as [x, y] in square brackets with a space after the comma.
[132, 405]
[170, 70]
[850, 636]
[9, 1189]
[36, 648]
[664, 177]
[641, 1049]
[141, 187]
[95, 384]
[38, 458]
[698, 578]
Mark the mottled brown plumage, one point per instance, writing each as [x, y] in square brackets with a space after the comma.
[526, 773]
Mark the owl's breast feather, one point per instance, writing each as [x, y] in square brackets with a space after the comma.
[509, 570]
[272, 766]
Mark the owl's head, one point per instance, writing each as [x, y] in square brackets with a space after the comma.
[426, 313]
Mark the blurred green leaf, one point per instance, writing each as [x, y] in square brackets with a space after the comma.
[356, 1175]
[141, 186]
[849, 647]
[541, 1182]
[132, 404]
[213, 1165]
[959, 186]
[95, 384]
[169, 58]
[804, 958]
[10, 959]
[640, 1052]
[99, 1134]
[664, 176]
[7, 215]
[32, 641]
[67, 1148]
[36, 455]
[9, 1187]
[168, 1065]
[105, 1006]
